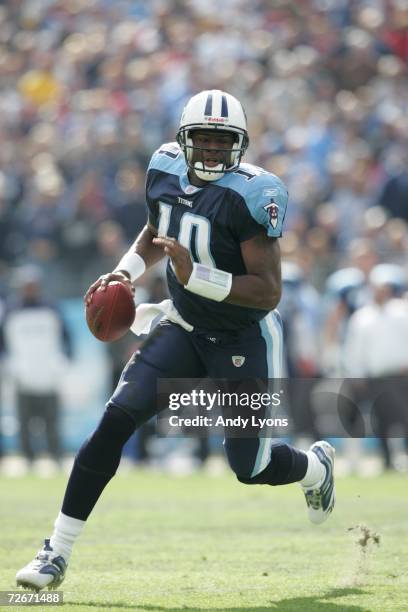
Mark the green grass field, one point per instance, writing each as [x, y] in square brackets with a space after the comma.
[160, 543]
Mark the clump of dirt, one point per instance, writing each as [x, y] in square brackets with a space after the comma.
[366, 540]
[365, 537]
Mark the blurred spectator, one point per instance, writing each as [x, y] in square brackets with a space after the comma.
[376, 349]
[110, 244]
[394, 197]
[300, 310]
[36, 344]
[345, 292]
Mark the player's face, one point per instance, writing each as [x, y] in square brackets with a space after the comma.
[215, 147]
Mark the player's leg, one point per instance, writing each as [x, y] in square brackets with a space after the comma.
[51, 412]
[317, 481]
[274, 462]
[24, 410]
[167, 353]
[267, 460]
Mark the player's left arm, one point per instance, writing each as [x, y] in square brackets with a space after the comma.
[258, 235]
[261, 287]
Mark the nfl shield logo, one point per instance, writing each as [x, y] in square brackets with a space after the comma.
[238, 360]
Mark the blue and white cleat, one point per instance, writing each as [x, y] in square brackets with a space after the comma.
[46, 570]
[321, 498]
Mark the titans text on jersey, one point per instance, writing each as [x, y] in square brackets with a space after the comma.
[212, 221]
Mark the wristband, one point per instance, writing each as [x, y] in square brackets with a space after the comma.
[133, 264]
[209, 282]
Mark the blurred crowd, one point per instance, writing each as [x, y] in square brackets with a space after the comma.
[89, 88]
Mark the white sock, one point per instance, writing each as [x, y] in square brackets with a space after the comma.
[66, 531]
[315, 472]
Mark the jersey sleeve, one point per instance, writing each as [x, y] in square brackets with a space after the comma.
[267, 203]
[151, 205]
[163, 159]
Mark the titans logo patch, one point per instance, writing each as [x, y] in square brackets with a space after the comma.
[272, 210]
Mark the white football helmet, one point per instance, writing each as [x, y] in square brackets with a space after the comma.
[213, 110]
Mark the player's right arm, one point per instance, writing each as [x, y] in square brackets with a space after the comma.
[145, 247]
[142, 254]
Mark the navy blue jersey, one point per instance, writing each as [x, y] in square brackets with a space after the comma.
[212, 221]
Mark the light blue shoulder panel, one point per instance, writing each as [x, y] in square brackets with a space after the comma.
[264, 193]
[168, 158]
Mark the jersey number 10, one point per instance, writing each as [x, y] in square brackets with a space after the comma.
[200, 246]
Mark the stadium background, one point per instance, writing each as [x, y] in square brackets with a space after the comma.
[89, 88]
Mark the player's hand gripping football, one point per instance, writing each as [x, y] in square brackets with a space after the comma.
[103, 281]
[179, 255]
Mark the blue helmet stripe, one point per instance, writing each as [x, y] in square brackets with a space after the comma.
[208, 106]
[224, 107]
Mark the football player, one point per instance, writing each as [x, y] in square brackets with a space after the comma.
[218, 220]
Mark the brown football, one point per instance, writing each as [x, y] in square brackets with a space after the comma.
[111, 312]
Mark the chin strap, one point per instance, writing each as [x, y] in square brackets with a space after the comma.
[208, 175]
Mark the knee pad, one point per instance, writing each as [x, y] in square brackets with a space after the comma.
[116, 423]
